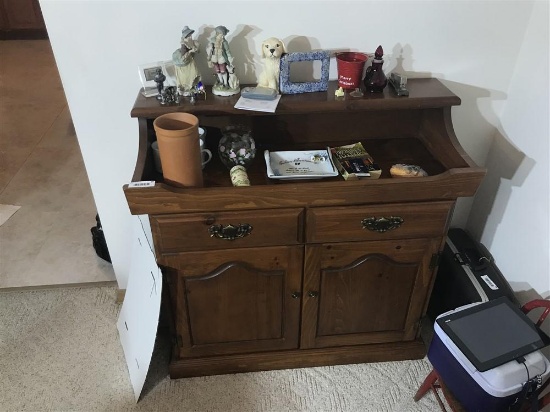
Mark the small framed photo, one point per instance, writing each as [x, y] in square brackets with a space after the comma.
[147, 74]
[289, 87]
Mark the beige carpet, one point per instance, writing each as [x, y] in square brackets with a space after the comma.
[59, 351]
[48, 241]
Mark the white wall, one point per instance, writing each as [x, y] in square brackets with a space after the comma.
[472, 46]
[511, 210]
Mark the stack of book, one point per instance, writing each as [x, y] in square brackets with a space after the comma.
[354, 162]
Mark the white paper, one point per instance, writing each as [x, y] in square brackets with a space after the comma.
[258, 104]
[142, 183]
[138, 320]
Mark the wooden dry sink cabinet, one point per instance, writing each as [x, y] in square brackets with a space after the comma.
[312, 284]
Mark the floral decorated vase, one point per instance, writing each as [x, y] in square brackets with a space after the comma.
[237, 147]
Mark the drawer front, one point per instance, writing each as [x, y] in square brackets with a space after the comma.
[227, 230]
[377, 222]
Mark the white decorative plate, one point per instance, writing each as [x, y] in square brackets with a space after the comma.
[309, 164]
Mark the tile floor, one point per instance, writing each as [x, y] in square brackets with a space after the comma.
[47, 242]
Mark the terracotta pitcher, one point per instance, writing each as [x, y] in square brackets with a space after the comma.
[179, 147]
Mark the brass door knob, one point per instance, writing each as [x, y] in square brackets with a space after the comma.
[313, 294]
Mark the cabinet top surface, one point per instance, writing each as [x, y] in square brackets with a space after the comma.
[423, 93]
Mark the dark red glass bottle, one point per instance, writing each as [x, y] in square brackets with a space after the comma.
[375, 79]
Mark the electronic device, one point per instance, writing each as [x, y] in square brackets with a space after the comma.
[259, 93]
[492, 333]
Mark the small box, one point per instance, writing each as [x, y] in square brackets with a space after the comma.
[491, 391]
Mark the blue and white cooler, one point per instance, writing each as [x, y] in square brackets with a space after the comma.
[487, 354]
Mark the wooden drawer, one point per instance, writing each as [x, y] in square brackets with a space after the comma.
[219, 230]
[377, 222]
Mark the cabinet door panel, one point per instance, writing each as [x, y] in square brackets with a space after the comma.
[375, 286]
[235, 301]
[365, 292]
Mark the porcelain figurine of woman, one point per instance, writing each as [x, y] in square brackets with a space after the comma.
[187, 73]
[219, 57]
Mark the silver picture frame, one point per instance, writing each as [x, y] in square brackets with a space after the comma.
[147, 72]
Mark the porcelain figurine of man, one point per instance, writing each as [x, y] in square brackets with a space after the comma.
[219, 57]
[187, 73]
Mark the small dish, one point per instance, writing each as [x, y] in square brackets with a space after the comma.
[309, 164]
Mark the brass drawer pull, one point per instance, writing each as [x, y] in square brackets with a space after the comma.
[382, 224]
[230, 232]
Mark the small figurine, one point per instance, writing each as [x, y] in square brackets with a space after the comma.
[199, 89]
[357, 92]
[272, 50]
[219, 57]
[187, 73]
[375, 79]
[159, 80]
[339, 92]
[399, 83]
[169, 95]
[196, 92]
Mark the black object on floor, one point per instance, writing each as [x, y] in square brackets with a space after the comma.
[98, 238]
[467, 273]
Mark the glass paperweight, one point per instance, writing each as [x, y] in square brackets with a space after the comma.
[356, 93]
[237, 147]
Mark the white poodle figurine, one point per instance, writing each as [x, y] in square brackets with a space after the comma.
[272, 50]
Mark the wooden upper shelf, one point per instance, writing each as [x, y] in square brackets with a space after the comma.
[423, 94]
[416, 129]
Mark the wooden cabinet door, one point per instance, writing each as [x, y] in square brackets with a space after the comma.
[236, 300]
[20, 15]
[365, 292]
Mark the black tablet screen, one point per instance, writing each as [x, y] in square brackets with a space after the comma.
[492, 333]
